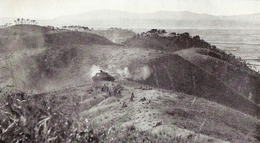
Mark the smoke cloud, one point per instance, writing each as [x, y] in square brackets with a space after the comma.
[94, 69]
[124, 73]
[141, 73]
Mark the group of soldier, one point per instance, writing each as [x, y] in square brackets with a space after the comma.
[111, 90]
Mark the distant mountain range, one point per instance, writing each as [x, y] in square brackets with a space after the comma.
[160, 19]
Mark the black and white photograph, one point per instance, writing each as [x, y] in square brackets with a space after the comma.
[130, 71]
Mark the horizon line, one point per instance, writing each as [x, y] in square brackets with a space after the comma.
[135, 13]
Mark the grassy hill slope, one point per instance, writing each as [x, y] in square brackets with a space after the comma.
[201, 97]
[66, 58]
[174, 72]
[79, 114]
[243, 81]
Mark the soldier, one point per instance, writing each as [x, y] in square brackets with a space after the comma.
[132, 97]
[118, 92]
[143, 99]
[109, 92]
[104, 88]
[124, 105]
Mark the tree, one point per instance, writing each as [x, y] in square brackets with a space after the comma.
[213, 47]
[197, 37]
[33, 21]
[18, 20]
[186, 34]
[163, 31]
[173, 34]
[153, 31]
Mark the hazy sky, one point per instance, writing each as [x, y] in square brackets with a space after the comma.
[53, 8]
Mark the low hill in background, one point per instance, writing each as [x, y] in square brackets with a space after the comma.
[33, 36]
[169, 42]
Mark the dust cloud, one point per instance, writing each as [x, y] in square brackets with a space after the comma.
[94, 69]
[140, 73]
[124, 73]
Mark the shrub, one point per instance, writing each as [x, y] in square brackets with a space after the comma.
[37, 118]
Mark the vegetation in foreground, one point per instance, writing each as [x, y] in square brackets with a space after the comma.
[51, 118]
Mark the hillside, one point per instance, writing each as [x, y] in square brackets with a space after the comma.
[193, 91]
[35, 57]
[32, 36]
[206, 71]
[161, 40]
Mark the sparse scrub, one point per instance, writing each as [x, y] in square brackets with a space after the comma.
[51, 118]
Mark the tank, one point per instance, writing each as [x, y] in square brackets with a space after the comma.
[103, 76]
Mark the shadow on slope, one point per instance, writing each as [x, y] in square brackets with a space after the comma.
[176, 73]
[241, 79]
